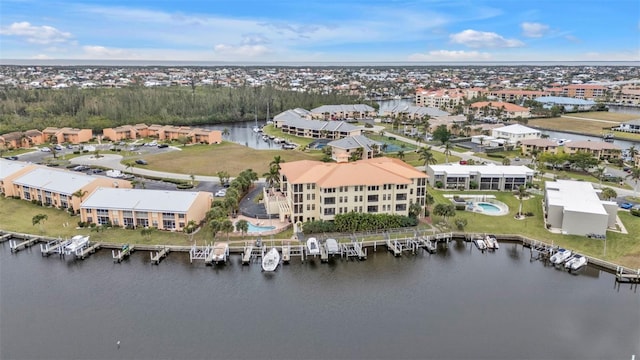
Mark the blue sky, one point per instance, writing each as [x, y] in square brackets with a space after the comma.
[313, 30]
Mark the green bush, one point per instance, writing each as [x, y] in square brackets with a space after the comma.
[635, 212]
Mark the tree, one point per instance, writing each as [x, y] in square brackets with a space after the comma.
[272, 177]
[608, 194]
[357, 154]
[39, 219]
[461, 223]
[242, 226]
[277, 160]
[226, 226]
[506, 161]
[583, 160]
[599, 173]
[225, 132]
[415, 209]
[224, 177]
[215, 226]
[445, 210]
[521, 193]
[183, 140]
[447, 151]
[400, 154]
[442, 134]
[426, 156]
[80, 194]
[634, 175]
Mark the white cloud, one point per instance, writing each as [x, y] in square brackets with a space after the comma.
[241, 50]
[41, 57]
[533, 29]
[101, 52]
[36, 34]
[450, 55]
[482, 39]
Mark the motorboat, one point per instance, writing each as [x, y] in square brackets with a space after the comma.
[312, 246]
[77, 242]
[480, 244]
[575, 262]
[560, 256]
[491, 242]
[265, 137]
[271, 260]
[220, 252]
[332, 247]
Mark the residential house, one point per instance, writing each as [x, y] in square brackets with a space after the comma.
[290, 123]
[66, 135]
[575, 208]
[315, 190]
[515, 133]
[569, 104]
[343, 112]
[482, 177]
[133, 208]
[343, 150]
[632, 126]
[497, 109]
[21, 139]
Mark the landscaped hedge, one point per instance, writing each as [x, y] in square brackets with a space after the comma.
[635, 212]
[355, 222]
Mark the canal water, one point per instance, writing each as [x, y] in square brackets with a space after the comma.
[458, 304]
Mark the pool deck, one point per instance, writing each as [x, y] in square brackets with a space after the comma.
[279, 225]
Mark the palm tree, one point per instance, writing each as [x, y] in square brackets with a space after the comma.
[277, 160]
[426, 156]
[635, 176]
[506, 161]
[273, 176]
[39, 220]
[608, 193]
[401, 154]
[227, 227]
[356, 154]
[522, 192]
[447, 150]
[599, 173]
[80, 194]
[242, 226]
[225, 132]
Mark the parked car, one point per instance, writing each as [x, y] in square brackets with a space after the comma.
[162, 146]
[141, 162]
[45, 149]
[221, 193]
[626, 205]
[81, 168]
[11, 158]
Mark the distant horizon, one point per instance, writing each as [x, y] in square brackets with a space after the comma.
[116, 62]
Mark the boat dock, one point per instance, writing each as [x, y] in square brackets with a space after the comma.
[54, 246]
[15, 246]
[159, 255]
[122, 254]
[84, 252]
[5, 237]
[628, 277]
[247, 254]
[324, 254]
[286, 253]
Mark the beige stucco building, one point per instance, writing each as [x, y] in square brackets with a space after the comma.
[66, 135]
[600, 149]
[163, 132]
[529, 146]
[314, 190]
[132, 208]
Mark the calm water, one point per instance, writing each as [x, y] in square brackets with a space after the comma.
[455, 305]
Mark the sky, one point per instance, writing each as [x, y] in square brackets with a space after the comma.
[321, 30]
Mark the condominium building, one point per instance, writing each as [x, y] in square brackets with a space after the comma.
[569, 104]
[498, 109]
[66, 135]
[314, 190]
[292, 124]
[132, 208]
[51, 187]
[516, 95]
[529, 146]
[600, 149]
[343, 112]
[21, 139]
[164, 132]
[442, 99]
[515, 133]
[575, 208]
[126, 132]
[413, 112]
[482, 177]
[585, 91]
[632, 126]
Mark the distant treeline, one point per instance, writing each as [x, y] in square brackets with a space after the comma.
[101, 108]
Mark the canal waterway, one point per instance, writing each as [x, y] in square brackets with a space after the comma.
[458, 304]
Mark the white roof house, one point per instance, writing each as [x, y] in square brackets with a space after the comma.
[487, 177]
[56, 181]
[9, 167]
[514, 133]
[141, 200]
[574, 207]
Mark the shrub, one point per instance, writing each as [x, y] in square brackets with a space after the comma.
[635, 212]
[529, 213]
[473, 185]
[82, 224]
[184, 186]
[439, 184]
[461, 223]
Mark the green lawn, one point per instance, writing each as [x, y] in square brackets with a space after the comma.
[621, 248]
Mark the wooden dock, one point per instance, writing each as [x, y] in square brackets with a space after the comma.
[15, 246]
[5, 237]
[122, 253]
[623, 276]
[86, 251]
[324, 254]
[158, 256]
[394, 247]
[247, 254]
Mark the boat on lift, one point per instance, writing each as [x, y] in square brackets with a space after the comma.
[576, 262]
[220, 252]
[312, 246]
[77, 242]
[560, 256]
[271, 260]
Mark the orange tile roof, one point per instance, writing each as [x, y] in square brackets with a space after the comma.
[498, 104]
[376, 171]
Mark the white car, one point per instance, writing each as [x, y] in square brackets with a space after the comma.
[45, 149]
[221, 193]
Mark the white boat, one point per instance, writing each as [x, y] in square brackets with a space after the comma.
[220, 252]
[575, 262]
[114, 173]
[77, 242]
[332, 247]
[560, 256]
[491, 242]
[312, 246]
[480, 244]
[271, 260]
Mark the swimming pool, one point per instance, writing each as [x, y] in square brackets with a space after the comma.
[488, 208]
[259, 229]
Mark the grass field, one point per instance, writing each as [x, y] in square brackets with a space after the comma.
[589, 123]
[604, 115]
[228, 156]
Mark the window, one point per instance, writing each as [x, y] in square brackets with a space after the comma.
[169, 224]
[372, 209]
[329, 201]
[372, 198]
[401, 207]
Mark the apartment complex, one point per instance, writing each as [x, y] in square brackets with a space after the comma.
[515, 133]
[51, 187]
[360, 146]
[413, 112]
[482, 177]
[516, 95]
[530, 146]
[575, 208]
[314, 190]
[133, 208]
[21, 139]
[164, 132]
[569, 104]
[585, 91]
[446, 99]
[289, 122]
[600, 149]
[498, 109]
[343, 112]
[66, 135]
